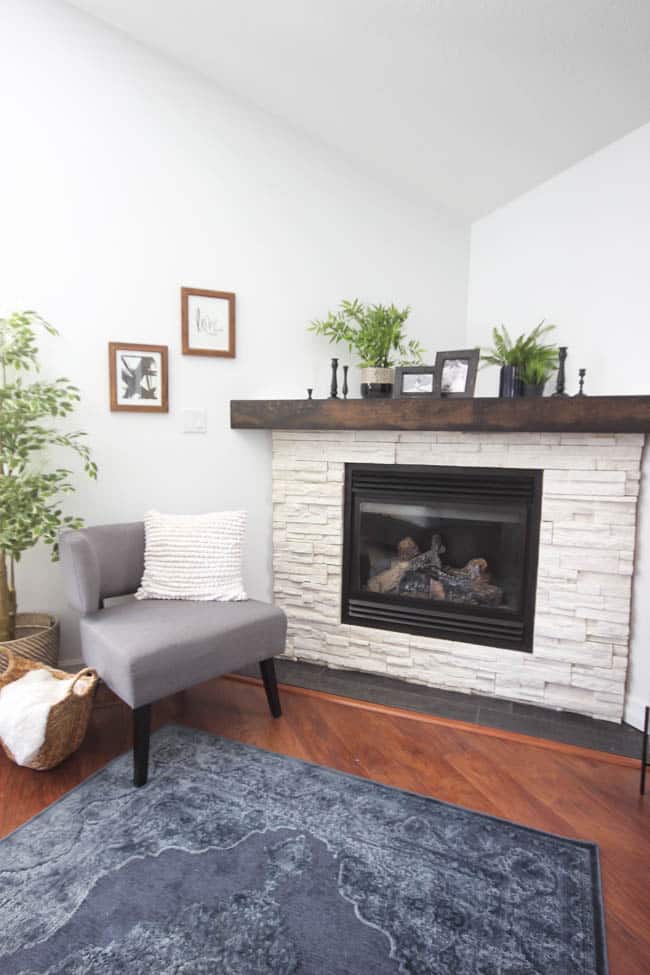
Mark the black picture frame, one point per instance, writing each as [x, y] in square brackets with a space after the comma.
[403, 371]
[471, 356]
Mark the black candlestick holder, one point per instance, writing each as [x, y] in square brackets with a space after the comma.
[345, 390]
[309, 392]
[561, 377]
[334, 387]
[581, 382]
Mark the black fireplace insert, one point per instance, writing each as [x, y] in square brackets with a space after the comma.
[446, 552]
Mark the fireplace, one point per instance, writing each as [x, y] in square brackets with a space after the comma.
[445, 552]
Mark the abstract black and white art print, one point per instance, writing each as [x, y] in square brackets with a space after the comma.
[138, 377]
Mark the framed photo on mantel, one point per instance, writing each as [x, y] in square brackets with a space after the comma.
[208, 322]
[456, 373]
[417, 382]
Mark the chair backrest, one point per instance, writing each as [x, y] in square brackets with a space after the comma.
[100, 562]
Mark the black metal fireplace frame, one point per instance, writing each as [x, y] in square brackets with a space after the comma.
[507, 629]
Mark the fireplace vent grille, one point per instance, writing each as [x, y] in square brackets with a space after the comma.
[459, 483]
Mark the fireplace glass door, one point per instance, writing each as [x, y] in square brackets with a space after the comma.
[444, 551]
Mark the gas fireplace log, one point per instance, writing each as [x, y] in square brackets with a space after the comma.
[454, 586]
[389, 580]
[424, 575]
[473, 584]
[436, 589]
[407, 549]
[463, 589]
[408, 560]
[429, 560]
[476, 569]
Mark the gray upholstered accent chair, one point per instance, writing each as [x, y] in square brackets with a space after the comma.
[147, 649]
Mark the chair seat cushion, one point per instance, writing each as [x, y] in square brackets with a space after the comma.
[146, 650]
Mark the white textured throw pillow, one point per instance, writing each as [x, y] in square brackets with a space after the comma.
[193, 556]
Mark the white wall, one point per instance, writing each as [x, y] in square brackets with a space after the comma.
[124, 177]
[576, 251]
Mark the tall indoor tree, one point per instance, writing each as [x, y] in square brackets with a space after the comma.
[30, 493]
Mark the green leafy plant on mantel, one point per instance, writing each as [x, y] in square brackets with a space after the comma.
[376, 333]
[535, 359]
[30, 495]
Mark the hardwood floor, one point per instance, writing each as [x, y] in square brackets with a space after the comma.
[551, 787]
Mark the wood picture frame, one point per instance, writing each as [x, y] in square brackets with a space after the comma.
[415, 382]
[208, 317]
[138, 377]
[454, 370]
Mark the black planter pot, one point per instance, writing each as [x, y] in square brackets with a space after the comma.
[534, 389]
[510, 385]
[376, 390]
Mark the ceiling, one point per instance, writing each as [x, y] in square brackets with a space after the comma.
[465, 103]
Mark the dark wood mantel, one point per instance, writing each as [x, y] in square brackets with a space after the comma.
[588, 414]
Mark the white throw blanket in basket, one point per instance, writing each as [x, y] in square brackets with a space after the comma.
[25, 706]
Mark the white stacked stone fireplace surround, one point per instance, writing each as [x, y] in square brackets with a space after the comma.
[589, 512]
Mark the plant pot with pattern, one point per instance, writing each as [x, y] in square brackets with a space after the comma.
[376, 383]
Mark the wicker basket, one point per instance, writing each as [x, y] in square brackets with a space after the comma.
[37, 638]
[68, 719]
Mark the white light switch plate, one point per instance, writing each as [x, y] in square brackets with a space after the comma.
[194, 421]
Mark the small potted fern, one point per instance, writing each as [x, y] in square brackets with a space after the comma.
[526, 364]
[376, 333]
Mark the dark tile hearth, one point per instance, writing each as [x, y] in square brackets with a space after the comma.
[526, 719]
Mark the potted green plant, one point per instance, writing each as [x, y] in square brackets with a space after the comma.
[30, 492]
[377, 334]
[525, 364]
[536, 372]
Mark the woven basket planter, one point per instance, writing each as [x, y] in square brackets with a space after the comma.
[37, 638]
[67, 721]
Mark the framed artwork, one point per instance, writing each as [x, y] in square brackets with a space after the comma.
[138, 377]
[414, 381]
[208, 322]
[456, 373]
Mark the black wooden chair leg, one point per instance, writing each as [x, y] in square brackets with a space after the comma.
[267, 669]
[141, 729]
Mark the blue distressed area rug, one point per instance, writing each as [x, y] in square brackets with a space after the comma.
[237, 861]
